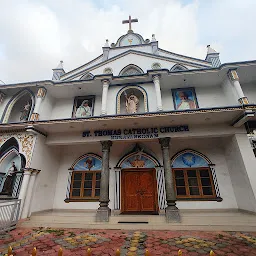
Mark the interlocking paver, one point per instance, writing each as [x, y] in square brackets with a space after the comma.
[105, 242]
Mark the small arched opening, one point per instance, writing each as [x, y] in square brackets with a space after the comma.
[131, 70]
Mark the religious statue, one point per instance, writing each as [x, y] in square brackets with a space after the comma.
[9, 179]
[84, 110]
[132, 103]
[25, 112]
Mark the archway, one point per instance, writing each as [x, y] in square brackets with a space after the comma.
[139, 184]
[194, 176]
[19, 108]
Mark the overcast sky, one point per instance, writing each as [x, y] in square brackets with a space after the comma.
[35, 35]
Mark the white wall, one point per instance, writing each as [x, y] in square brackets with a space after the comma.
[208, 97]
[212, 148]
[68, 156]
[46, 159]
[230, 93]
[62, 108]
[250, 92]
[46, 107]
[241, 163]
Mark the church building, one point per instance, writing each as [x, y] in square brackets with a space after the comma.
[138, 130]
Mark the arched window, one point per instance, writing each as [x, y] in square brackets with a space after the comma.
[85, 180]
[19, 108]
[178, 67]
[193, 177]
[87, 76]
[131, 70]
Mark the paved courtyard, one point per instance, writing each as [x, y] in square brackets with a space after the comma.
[105, 242]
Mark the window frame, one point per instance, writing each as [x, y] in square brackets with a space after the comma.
[84, 198]
[200, 187]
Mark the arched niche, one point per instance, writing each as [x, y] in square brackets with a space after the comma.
[14, 108]
[139, 92]
[9, 153]
[178, 67]
[131, 70]
[87, 162]
[189, 159]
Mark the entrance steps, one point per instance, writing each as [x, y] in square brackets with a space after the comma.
[207, 220]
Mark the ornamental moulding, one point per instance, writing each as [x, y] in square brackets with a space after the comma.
[26, 143]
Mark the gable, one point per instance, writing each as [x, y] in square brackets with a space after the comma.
[143, 60]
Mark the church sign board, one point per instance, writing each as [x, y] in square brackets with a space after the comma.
[135, 133]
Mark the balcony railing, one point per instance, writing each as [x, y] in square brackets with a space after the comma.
[16, 184]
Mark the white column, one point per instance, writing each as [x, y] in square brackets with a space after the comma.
[39, 98]
[234, 78]
[27, 203]
[156, 80]
[105, 85]
[24, 187]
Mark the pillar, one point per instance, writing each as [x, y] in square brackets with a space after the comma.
[105, 85]
[156, 80]
[28, 199]
[171, 211]
[39, 98]
[103, 211]
[24, 187]
[234, 78]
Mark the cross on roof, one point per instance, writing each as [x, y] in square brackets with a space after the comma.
[130, 21]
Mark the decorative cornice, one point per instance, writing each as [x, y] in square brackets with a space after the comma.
[122, 116]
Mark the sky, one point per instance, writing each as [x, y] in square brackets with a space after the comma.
[36, 34]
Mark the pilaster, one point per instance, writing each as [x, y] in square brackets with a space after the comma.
[39, 98]
[171, 211]
[105, 85]
[234, 78]
[28, 199]
[156, 81]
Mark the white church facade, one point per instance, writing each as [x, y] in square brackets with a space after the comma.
[137, 130]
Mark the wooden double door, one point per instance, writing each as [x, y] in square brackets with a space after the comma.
[139, 191]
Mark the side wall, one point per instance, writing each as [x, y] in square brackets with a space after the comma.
[241, 163]
[46, 159]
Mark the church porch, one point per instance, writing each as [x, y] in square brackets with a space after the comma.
[231, 197]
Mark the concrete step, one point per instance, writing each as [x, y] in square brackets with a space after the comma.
[217, 220]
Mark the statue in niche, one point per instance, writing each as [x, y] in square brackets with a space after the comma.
[10, 179]
[132, 103]
[25, 112]
[84, 110]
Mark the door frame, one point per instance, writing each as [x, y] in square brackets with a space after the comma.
[122, 198]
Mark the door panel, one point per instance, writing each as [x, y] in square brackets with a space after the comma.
[147, 195]
[139, 191]
[130, 189]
